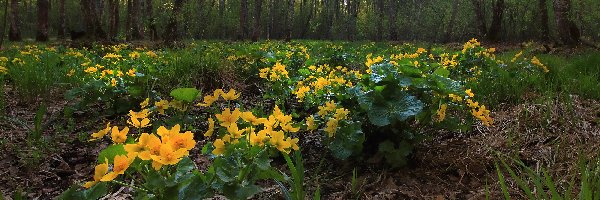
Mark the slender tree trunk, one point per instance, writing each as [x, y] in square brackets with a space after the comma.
[14, 32]
[4, 22]
[43, 6]
[151, 20]
[134, 30]
[380, 11]
[92, 20]
[270, 32]
[480, 17]
[543, 6]
[113, 19]
[62, 24]
[567, 30]
[243, 32]
[257, 15]
[496, 27]
[392, 23]
[353, 12]
[221, 25]
[171, 33]
[290, 20]
[449, 31]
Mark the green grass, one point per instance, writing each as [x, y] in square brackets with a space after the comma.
[569, 75]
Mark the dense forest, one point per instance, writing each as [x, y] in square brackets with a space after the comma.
[560, 21]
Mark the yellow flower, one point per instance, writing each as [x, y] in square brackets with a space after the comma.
[231, 95]
[145, 103]
[165, 133]
[182, 141]
[441, 112]
[151, 54]
[112, 55]
[140, 115]
[101, 133]
[294, 143]
[71, 72]
[250, 118]
[161, 106]
[310, 123]
[279, 142]
[145, 122]
[121, 163]
[331, 127]
[219, 147]
[258, 138]
[301, 92]
[211, 127]
[91, 70]
[117, 136]
[328, 107]
[139, 147]
[134, 55]
[455, 98]
[131, 72]
[152, 147]
[99, 171]
[208, 100]
[227, 117]
[341, 113]
[233, 130]
[113, 82]
[168, 156]
[468, 91]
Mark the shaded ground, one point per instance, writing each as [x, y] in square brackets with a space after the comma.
[450, 166]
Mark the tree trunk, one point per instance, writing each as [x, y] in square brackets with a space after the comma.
[392, 23]
[4, 22]
[290, 20]
[62, 24]
[151, 20]
[449, 31]
[543, 6]
[92, 20]
[567, 30]
[257, 13]
[243, 32]
[270, 32]
[480, 17]
[14, 32]
[113, 19]
[353, 11]
[43, 6]
[221, 26]
[380, 10]
[496, 27]
[134, 31]
[171, 33]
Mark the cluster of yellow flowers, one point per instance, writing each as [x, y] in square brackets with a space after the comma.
[326, 78]
[478, 111]
[258, 131]
[371, 61]
[441, 112]
[3, 62]
[274, 73]
[166, 147]
[537, 62]
[227, 96]
[331, 113]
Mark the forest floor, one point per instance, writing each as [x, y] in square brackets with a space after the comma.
[554, 133]
[448, 166]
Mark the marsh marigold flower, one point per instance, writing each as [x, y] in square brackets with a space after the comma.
[117, 136]
[121, 163]
[99, 172]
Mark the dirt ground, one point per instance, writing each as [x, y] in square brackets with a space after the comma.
[451, 165]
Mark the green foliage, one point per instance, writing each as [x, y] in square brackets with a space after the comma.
[185, 94]
[110, 152]
[95, 192]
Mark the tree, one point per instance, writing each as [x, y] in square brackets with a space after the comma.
[543, 6]
[243, 32]
[62, 24]
[290, 20]
[92, 20]
[353, 12]
[113, 19]
[151, 20]
[14, 32]
[568, 32]
[134, 30]
[4, 21]
[43, 7]
[496, 27]
[171, 33]
[257, 15]
[448, 34]
[392, 21]
[480, 16]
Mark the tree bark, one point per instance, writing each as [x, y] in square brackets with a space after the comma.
[113, 19]
[221, 26]
[567, 30]
[243, 32]
[62, 24]
[449, 31]
[543, 6]
[4, 22]
[257, 15]
[151, 20]
[392, 21]
[496, 27]
[92, 20]
[380, 10]
[14, 32]
[353, 12]
[134, 31]
[43, 6]
[290, 20]
[171, 33]
[480, 17]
